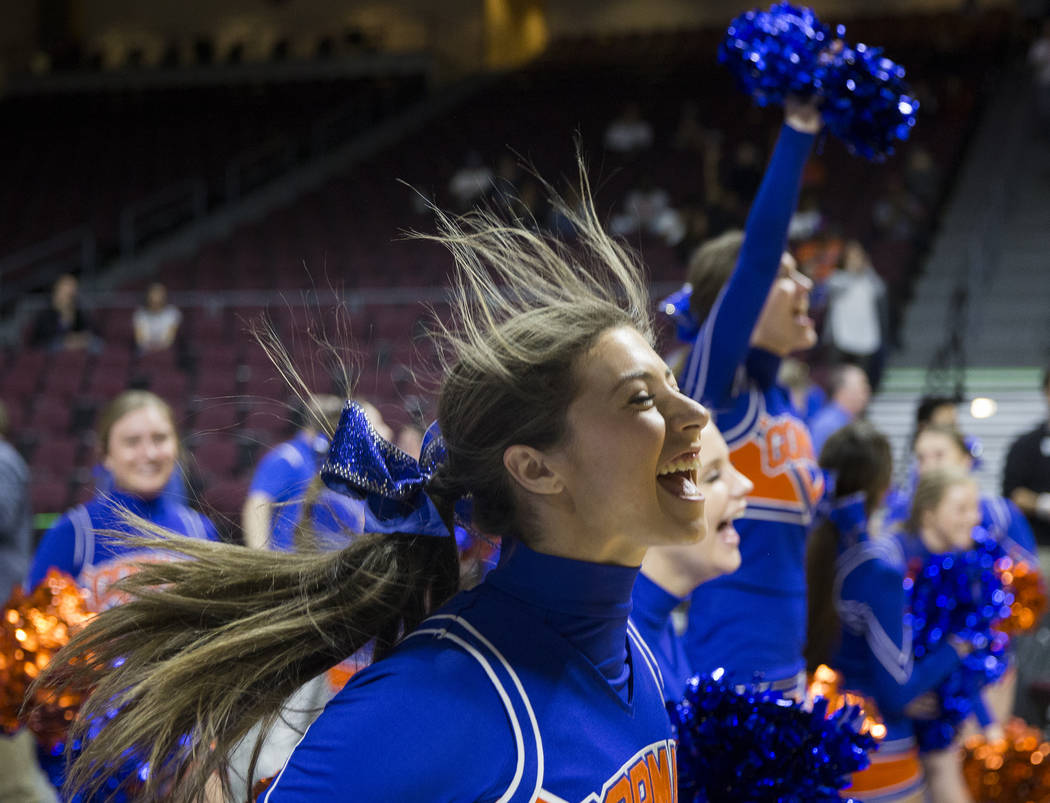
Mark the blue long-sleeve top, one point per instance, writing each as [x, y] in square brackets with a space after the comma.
[754, 620]
[875, 651]
[652, 616]
[443, 717]
[78, 543]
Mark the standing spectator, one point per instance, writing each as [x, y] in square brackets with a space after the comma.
[849, 393]
[1026, 480]
[285, 474]
[65, 324]
[858, 316]
[157, 323]
[16, 533]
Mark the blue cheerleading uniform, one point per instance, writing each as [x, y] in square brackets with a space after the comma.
[753, 622]
[875, 658]
[532, 686]
[652, 617]
[78, 545]
[875, 653]
[284, 474]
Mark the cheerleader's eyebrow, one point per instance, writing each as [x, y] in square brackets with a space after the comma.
[641, 373]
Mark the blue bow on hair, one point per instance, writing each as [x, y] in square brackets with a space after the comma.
[676, 306]
[363, 465]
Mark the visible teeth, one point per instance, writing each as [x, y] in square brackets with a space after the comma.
[682, 464]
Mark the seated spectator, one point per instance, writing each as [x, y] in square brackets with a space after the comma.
[808, 219]
[471, 182]
[849, 394]
[65, 324]
[647, 208]
[157, 323]
[629, 133]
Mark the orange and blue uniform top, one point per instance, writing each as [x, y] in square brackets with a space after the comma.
[653, 606]
[753, 622]
[532, 686]
[78, 543]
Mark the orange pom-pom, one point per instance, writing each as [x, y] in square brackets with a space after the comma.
[32, 629]
[1015, 769]
[825, 682]
[1025, 585]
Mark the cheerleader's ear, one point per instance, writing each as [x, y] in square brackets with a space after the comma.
[532, 470]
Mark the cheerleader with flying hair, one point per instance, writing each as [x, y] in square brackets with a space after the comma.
[573, 443]
[857, 614]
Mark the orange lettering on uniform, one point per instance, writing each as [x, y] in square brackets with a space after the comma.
[620, 792]
[660, 777]
[765, 458]
[640, 782]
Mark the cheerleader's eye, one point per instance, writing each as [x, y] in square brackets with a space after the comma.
[713, 477]
[643, 400]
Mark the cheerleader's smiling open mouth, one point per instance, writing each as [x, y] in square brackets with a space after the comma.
[681, 476]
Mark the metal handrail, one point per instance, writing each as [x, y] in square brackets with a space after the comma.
[191, 192]
[276, 152]
[41, 261]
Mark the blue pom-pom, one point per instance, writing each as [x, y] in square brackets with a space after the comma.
[959, 594]
[867, 104]
[759, 747]
[788, 51]
[775, 53]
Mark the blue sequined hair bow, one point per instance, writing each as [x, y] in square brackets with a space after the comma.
[676, 307]
[393, 486]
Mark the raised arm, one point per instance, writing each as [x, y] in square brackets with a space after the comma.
[725, 336]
